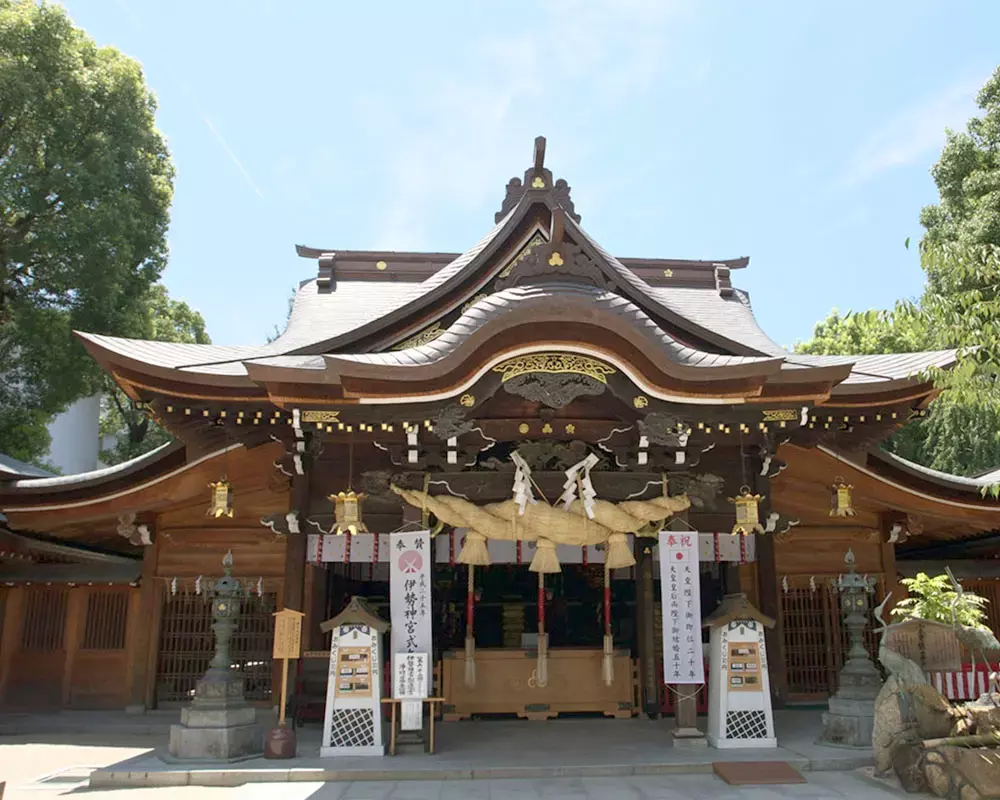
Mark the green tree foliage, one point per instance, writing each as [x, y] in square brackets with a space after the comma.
[85, 190]
[960, 306]
[968, 179]
[932, 599]
[134, 433]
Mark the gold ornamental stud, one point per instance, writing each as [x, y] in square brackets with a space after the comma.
[570, 428]
[555, 260]
[381, 266]
[546, 428]
[538, 183]
[640, 401]
[523, 428]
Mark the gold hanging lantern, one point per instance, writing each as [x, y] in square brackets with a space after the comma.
[840, 500]
[222, 497]
[747, 512]
[348, 513]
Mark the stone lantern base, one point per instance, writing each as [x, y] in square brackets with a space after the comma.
[218, 725]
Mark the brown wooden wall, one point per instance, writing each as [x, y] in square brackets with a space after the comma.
[67, 646]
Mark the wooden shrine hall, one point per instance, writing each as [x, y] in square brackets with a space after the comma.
[435, 390]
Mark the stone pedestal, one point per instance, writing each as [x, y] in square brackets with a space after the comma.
[218, 725]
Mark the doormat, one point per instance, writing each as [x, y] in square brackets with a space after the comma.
[757, 773]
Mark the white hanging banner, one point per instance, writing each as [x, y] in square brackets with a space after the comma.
[410, 594]
[680, 595]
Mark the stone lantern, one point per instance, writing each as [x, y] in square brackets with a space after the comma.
[851, 717]
[219, 725]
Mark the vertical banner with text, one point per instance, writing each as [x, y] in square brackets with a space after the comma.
[680, 595]
[410, 559]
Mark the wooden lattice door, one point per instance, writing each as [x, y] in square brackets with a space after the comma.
[186, 645]
[815, 639]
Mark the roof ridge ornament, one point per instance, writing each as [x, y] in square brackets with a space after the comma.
[537, 178]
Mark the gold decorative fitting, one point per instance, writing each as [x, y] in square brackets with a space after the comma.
[316, 415]
[747, 512]
[538, 183]
[523, 428]
[555, 260]
[668, 273]
[640, 401]
[840, 500]
[554, 364]
[348, 513]
[547, 428]
[422, 338]
[222, 495]
[380, 265]
[779, 414]
[526, 251]
[570, 428]
[467, 400]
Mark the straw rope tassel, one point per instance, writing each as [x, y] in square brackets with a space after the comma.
[608, 663]
[542, 665]
[470, 635]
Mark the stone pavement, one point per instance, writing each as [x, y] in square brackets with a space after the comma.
[65, 760]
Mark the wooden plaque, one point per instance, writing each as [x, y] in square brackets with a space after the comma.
[287, 633]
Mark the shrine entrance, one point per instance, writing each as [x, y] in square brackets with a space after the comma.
[506, 627]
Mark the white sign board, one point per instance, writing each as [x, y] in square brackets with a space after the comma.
[410, 685]
[352, 723]
[739, 694]
[410, 596]
[680, 595]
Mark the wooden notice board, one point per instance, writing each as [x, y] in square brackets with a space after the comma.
[744, 667]
[287, 633]
[354, 676]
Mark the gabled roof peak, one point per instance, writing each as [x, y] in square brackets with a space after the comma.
[537, 180]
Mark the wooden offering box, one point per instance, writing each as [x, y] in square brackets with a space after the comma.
[506, 684]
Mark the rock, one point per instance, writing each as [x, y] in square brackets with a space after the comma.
[963, 773]
[983, 715]
[935, 715]
[907, 763]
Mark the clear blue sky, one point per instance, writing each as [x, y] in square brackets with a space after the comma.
[798, 133]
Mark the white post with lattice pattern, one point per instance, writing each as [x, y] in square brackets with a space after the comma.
[352, 724]
[739, 692]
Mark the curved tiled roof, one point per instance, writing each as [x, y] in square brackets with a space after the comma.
[519, 298]
[97, 476]
[945, 479]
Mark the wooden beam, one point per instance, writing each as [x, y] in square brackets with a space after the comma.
[768, 591]
[142, 641]
[11, 642]
[76, 610]
[889, 567]
[295, 546]
[645, 600]
[539, 162]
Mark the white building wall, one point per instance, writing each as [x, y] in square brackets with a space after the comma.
[75, 437]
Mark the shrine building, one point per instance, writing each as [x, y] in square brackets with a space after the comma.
[427, 391]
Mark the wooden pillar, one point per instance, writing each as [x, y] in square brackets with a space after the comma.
[76, 609]
[143, 635]
[889, 567]
[769, 593]
[295, 545]
[646, 619]
[770, 603]
[11, 642]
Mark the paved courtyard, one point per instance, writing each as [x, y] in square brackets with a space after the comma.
[37, 767]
